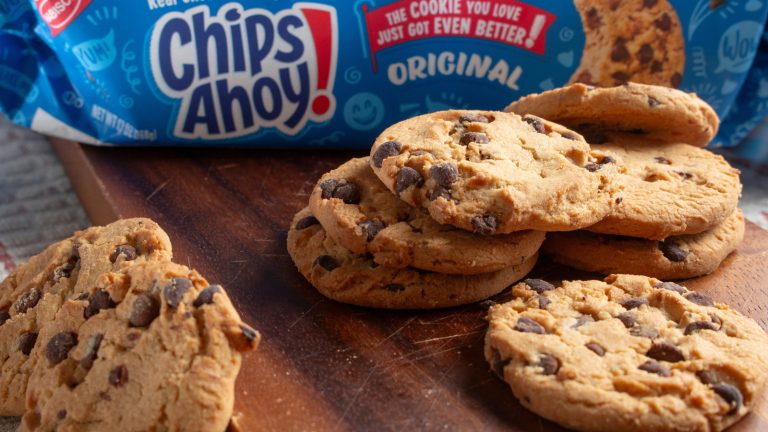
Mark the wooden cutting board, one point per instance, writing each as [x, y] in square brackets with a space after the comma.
[322, 365]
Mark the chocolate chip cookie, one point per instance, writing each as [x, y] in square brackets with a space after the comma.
[630, 40]
[31, 295]
[675, 257]
[347, 277]
[362, 215]
[647, 111]
[631, 353]
[150, 347]
[494, 172]
[669, 189]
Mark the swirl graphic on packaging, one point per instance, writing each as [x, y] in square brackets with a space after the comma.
[129, 69]
[241, 70]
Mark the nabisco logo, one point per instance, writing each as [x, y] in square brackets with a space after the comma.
[58, 14]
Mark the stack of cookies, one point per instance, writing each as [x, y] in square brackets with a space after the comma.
[450, 208]
[678, 216]
[101, 331]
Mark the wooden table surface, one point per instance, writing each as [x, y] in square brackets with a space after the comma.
[323, 365]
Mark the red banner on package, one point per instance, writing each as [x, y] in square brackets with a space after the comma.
[58, 14]
[507, 21]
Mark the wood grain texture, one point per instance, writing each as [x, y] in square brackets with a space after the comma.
[324, 365]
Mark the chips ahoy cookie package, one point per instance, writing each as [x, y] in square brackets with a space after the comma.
[334, 74]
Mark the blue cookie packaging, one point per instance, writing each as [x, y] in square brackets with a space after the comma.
[333, 74]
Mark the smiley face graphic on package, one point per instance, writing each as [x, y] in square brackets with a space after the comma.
[363, 111]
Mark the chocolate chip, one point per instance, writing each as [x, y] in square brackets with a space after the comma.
[498, 364]
[347, 192]
[249, 334]
[328, 186]
[174, 291]
[145, 310]
[685, 175]
[527, 325]
[699, 298]
[699, 325]
[549, 364]
[619, 53]
[59, 346]
[445, 174]
[371, 228]
[676, 80]
[731, 395]
[672, 251]
[620, 77]
[619, 200]
[28, 300]
[64, 270]
[662, 160]
[395, 288]
[593, 19]
[206, 295]
[327, 262]
[607, 160]
[536, 123]
[633, 303]
[539, 285]
[706, 376]
[544, 302]
[653, 102]
[415, 229]
[716, 321]
[82, 296]
[586, 78]
[649, 3]
[127, 251]
[93, 344]
[654, 367]
[4, 316]
[645, 53]
[440, 192]
[664, 23]
[306, 222]
[629, 319]
[385, 150]
[406, 178]
[656, 67]
[62, 414]
[118, 376]
[646, 332]
[592, 167]
[484, 225]
[581, 320]
[596, 348]
[26, 342]
[570, 136]
[473, 118]
[664, 351]
[671, 286]
[473, 137]
[99, 300]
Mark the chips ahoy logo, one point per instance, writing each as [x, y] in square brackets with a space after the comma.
[242, 70]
